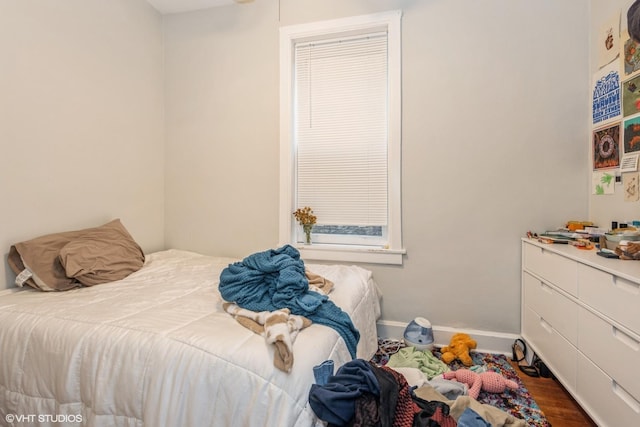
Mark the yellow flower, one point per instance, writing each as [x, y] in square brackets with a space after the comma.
[305, 216]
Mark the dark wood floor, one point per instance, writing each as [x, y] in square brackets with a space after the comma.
[556, 403]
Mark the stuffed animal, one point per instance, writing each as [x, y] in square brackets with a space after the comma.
[488, 381]
[458, 348]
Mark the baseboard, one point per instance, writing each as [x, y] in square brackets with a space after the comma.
[488, 341]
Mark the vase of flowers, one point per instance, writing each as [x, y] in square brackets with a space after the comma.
[306, 219]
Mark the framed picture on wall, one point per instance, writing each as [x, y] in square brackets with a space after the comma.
[606, 95]
[630, 57]
[606, 147]
[631, 96]
[631, 138]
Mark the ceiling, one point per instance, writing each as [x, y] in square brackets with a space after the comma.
[177, 6]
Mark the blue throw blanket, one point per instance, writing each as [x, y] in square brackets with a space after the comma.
[275, 279]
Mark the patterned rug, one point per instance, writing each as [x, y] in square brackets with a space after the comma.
[518, 403]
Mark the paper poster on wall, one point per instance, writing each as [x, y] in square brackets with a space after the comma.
[606, 94]
[629, 163]
[631, 96]
[609, 40]
[630, 56]
[631, 130]
[630, 185]
[606, 147]
[603, 183]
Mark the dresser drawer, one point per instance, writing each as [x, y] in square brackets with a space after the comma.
[613, 296]
[559, 311]
[553, 349]
[614, 351]
[554, 268]
[608, 403]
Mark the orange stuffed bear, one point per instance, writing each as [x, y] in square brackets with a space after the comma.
[459, 348]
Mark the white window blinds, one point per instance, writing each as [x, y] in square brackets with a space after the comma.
[341, 127]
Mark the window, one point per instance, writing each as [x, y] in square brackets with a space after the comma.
[340, 137]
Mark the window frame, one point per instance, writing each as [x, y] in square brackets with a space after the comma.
[392, 252]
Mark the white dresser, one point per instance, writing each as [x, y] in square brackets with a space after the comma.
[581, 315]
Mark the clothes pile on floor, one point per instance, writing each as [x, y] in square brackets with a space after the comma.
[362, 393]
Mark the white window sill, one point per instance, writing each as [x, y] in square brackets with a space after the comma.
[324, 252]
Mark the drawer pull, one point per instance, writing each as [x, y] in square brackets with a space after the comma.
[546, 326]
[625, 285]
[626, 339]
[626, 397]
[546, 288]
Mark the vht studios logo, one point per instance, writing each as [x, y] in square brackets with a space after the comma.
[42, 418]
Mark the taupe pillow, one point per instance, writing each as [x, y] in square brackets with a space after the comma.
[62, 261]
[104, 254]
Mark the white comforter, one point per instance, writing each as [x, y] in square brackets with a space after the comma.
[156, 349]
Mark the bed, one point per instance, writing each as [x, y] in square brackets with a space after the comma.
[157, 349]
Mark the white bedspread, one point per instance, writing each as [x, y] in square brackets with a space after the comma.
[156, 349]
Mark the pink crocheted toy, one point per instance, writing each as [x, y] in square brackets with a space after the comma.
[489, 381]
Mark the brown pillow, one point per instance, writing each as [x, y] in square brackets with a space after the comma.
[62, 261]
[105, 254]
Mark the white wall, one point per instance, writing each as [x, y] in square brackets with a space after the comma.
[606, 208]
[81, 119]
[222, 129]
[495, 103]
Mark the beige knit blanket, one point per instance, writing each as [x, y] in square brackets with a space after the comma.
[279, 327]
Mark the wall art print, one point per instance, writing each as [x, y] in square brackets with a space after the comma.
[606, 94]
[631, 135]
[631, 57]
[631, 97]
[603, 183]
[609, 40]
[630, 183]
[606, 147]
